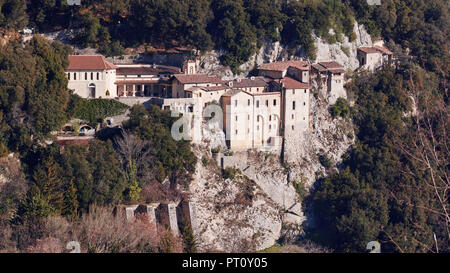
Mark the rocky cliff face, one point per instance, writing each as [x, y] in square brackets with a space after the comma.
[342, 52]
[234, 214]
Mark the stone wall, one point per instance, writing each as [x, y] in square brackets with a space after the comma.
[166, 215]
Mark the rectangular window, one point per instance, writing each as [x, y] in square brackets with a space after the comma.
[293, 116]
[68, 76]
[75, 76]
[274, 102]
[248, 117]
[267, 103]
[257, 104]
[248, 103]
[85, 76]
[270, 127]
[293, 92]
[98, 76]
[304, 103]
[305, 91]
[236, 118]
[235, 102]
[92, 76]
[236, 132]
[293, 105]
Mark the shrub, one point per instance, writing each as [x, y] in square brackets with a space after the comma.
[3, 150]
[300, 190]
[205, 161]
[230, 173]
[340, 109]
[95, 110]
[325, 161]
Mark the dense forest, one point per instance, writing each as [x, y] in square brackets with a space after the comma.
[238, 26]
[392, 185]
[58, 185]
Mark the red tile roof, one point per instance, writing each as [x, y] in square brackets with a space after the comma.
[246, 82]
[197, 78]
[281, 66]
[290, 83]
[146, 70]
[384, 50]
[89, 62]
[368, 50]
[233, 92]
[332, 67]
[143, 81]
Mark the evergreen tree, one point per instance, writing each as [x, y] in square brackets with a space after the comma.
[70, 207]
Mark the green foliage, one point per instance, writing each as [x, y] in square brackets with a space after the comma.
[205, 161]
[47, 178]
[381, 194]
[96, 172]
[189, 240]
[173, 159]
[300, 190]
[421, 26]
[340, 109]
[3, 150]
[132, 193]
[13, 14]
[70, 207]
[230, 173]
[33, 91]
[95, 110]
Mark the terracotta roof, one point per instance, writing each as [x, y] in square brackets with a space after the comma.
[141, 81]
[213, 88]
[206, 89]
[265, 93]
[197, 78]
[281, 66]
[234, 92]
[319, 68]
[246, 82]
[290, 83]
[146, 70]
[89, 62]
[384, 50]
[331, 65]
[368, 50]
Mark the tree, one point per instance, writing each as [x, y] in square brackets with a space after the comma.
[70, 207]
[173, 159]
[13, 14]
[47, 178]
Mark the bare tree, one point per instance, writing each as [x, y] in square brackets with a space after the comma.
[101, 231]
[132, 148]
[428, 153]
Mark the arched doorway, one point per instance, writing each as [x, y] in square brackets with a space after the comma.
[91, 90]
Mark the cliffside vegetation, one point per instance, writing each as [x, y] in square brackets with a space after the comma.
[393, 184]
[55, 186]
[238, 26]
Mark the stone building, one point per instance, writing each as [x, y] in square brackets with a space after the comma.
[91, 76]
[371, 58]
[144, 80]
[329, 76]
[279, 70]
